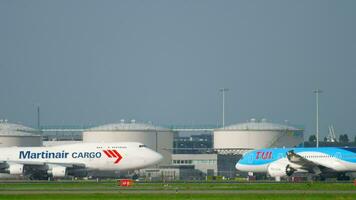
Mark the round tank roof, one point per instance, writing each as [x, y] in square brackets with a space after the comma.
[16, 129]
[133, 126]
[253, 124]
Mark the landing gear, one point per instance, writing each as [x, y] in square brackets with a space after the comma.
[320, 178]
[312, 178]
[343, 177]
[38, 176]
[135, 176]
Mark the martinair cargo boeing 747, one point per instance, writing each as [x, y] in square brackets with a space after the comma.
[283, 162]
[75, 159]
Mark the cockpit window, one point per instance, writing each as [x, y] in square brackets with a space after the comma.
[243, 155]
[141, 146]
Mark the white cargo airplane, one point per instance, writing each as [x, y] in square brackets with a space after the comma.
[75, 159]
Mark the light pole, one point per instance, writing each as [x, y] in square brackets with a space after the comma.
[223, 90]
[317, 92]
[38, 118]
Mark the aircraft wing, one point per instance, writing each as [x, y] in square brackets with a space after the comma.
[306, 164]
[38, 165]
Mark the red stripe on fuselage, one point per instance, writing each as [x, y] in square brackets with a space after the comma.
[107, 154]
[112, 153]
[119, 157]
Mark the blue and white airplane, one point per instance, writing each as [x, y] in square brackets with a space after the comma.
[283, 162]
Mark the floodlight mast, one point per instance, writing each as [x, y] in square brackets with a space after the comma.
[317, 92]
[223, 90]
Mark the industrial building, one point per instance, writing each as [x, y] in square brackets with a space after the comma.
[206, 163]
[172, 173]
[256, 135]
[18, 135]
[193, 144]
[157, 138]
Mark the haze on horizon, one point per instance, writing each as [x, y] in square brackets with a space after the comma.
[95, 62]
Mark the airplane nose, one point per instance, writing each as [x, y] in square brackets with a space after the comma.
[240, 167]
[154, 158]
[158, 157]
[237, 166]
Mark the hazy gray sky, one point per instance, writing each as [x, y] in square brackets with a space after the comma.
[95, 62]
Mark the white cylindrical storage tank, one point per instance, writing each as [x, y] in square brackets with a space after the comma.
[157, 138]
[18, 135]
[256, 135]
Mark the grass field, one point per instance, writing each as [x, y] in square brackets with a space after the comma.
[174, 191]
[180, 196]
[112, 185]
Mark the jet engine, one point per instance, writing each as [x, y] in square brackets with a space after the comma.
[280, 170]
[57, 171]
[15, 169]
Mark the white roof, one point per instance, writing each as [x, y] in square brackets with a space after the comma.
[128, 127]
[259, 126]
[16, 129]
